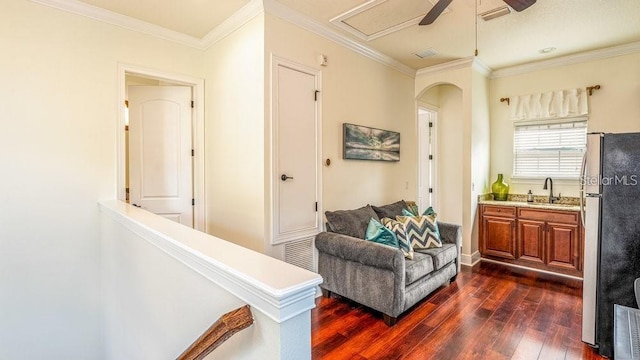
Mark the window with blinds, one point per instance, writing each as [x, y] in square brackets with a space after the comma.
[552, 149]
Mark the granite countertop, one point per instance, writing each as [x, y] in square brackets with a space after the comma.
[535, 205]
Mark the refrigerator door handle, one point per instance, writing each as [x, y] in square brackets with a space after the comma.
[590, 269]
[582, 180]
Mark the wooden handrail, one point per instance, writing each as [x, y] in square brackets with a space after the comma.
[227, 325]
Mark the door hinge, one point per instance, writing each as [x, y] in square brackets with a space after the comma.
[192, 104]
[430, 190]
[430, 157]
[193, 202]
[316, 206]
[193, 152]
[315, 96]
[430, 124]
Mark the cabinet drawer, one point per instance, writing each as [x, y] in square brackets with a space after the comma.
[566, 217]
[507, 211]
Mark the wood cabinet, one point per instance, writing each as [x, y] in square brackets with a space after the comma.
[531, 238]
[544, 239]
[563, 246]
[499, 232]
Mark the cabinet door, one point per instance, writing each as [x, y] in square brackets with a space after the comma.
[531, 241]
[499, 236]
[563, 246]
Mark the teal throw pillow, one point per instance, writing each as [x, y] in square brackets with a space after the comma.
[407, 212]
[378, 233]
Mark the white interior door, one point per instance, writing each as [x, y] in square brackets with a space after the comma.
[296, 153]
[160, 158]
[426, 158]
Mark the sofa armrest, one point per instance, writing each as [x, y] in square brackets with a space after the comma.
[450, 233]
[358, 250]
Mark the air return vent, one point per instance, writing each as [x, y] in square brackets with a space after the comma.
[426, 53]
[494, 13]
[300, 253]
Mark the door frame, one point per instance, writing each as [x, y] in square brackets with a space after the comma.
[197, 130]
[434, 169]
[277, 238]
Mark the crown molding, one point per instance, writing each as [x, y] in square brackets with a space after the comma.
[568, 60]
[233, 23]
[113, 18]
[448, 66]
[473, 62]
[275, 8]
[481, 67]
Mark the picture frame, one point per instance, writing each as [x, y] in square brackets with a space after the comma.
[367, 143]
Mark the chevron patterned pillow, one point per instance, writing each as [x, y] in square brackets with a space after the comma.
[421, 231]
[412, 208]
[398, 228]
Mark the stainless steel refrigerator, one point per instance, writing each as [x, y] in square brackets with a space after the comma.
[611, 217]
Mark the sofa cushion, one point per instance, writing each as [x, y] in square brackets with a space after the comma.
[351, 222]
[421, 265]
[390, 210]
[398, 229]
[441, 256]
[378, 233]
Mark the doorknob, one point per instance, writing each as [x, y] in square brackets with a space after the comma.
[284, 177]
[136, 205]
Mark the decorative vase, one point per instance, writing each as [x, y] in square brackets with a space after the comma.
[500, 189]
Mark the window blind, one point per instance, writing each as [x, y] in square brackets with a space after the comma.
[549, 149]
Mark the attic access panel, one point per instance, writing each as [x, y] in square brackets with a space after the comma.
[377, 18]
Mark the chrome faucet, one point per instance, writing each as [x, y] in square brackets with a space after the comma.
[552, 199]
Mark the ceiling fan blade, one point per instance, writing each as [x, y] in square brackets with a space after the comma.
[435, 11]
[519, 5]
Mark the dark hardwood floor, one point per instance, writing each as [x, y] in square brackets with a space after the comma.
[490, 312]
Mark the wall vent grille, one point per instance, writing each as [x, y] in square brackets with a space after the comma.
[495, 13]
[300, 253]
[426, 53]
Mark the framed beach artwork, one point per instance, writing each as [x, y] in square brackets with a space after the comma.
[366, 143]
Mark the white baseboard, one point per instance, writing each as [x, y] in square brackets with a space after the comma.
[470, 259]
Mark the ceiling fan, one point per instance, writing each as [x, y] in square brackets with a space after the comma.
[438, 8]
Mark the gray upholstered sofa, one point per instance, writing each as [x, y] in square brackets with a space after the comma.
[379, 276]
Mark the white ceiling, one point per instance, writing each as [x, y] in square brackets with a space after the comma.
[191, 17]
[570, 26]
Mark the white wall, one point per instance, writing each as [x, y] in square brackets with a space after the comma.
[165, 284]
[58, 140]
[455, 140]
[155, 306]
[614, 108]
[448, 100]
[480, 148]
[234, 136]
[238, 134]
[361, 91]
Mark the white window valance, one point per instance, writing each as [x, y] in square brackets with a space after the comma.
[550, 105]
